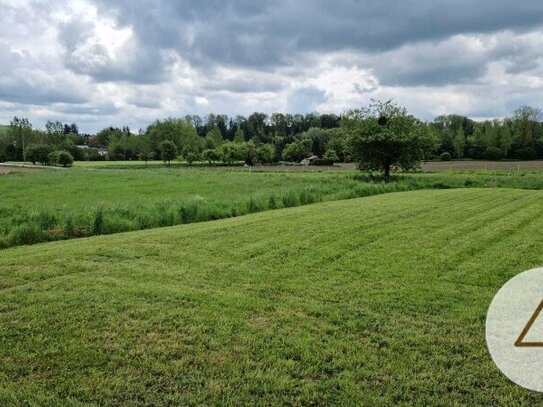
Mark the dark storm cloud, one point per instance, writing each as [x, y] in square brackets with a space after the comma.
[263, 33]
[135, 60]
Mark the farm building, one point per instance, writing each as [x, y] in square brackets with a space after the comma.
[309, 160]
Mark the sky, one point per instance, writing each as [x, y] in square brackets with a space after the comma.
[130, 62]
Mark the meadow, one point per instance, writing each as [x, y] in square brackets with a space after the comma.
[62, 204]
[372, 301]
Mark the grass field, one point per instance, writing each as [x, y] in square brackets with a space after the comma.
[63, 204]
[482, 165]
[372, 301]
[35, 207]
[428, 166]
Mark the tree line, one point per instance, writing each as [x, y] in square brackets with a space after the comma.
[262, 138]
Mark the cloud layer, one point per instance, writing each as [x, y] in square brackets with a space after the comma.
[113, 63]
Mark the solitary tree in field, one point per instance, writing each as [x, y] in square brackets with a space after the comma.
[385, 137]
[168, 151]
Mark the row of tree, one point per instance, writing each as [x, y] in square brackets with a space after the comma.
[517, 137]
[278, 137]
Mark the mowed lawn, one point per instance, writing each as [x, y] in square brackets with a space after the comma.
[372, 301]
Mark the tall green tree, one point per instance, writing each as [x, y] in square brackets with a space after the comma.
[214, 138]
[21, 134]
[168, 151]
[385, 138]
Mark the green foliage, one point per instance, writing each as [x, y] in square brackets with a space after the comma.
[39, 153]
[231, 152]
[192, 157]
[180, 132]
[399, 144]
[214, 138]
[493, 153]
[331, 155]
[265, 153]
[211, 156]
[168, 151]
[239, 136]
[20, 134]
[53, 157]
[525, 153]
[64, 158]
[445, 156]
[297, 150]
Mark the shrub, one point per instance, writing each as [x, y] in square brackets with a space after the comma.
[446, 156]
[168, 151]
[493, 153]
[64, 158]
[53, 157]
[211, 155]
[526, 153]
[191, 157]
[331, 155]
[45, 219]
[39, 153]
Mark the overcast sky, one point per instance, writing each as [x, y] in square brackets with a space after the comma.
[101, 63]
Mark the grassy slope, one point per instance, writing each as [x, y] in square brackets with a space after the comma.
[375, 300]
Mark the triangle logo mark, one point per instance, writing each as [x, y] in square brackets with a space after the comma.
[520, 342]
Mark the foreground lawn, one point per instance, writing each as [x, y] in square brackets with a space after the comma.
[380, 300]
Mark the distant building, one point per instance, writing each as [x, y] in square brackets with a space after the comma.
[309, 160]
[101, 151]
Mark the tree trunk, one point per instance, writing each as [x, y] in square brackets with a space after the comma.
[387, 170]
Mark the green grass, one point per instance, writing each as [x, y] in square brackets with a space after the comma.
[373, 301]
[136, 163]
[53, 205]
[65, 204]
